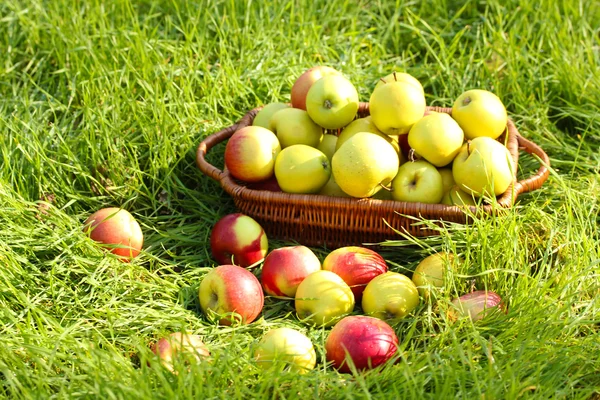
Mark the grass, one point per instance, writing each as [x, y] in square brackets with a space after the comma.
[103, 103]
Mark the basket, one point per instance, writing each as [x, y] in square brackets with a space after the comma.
[317, 220]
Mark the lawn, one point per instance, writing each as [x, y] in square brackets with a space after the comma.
[103, 103]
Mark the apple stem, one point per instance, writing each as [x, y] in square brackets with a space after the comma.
[412, 155]
[327, 104]
[382, 80]
[468, 147]
[395, 78]
[389, 189]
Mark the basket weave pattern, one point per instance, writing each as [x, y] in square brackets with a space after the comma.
[316, 220]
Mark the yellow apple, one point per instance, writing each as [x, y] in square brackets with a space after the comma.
[400, 77]
[328, 145]
[458, 197]
[332, 102]
[294, 126]
[431, 271]
[480, 113]
[364, 125]
[263, 117]
[418, 181]
[302, 169]
[390, 296]
[288, 348]
[437, 138]
[447, 178]
[396, 106]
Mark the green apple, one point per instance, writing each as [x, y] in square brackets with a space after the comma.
[328, 145]
[458, 197]
[400, 77]
[287, 348]
[322, 298]
[332, 189]
[447, 178]
[431, 272]
[304, 82]
[332, 102]
[364, 163]
[390, 296]
[263, 117]
[302, 169]
[364, 125]
[294, 126]
[418, 181]
[437, 138]
[480, 113]
[483, 167]
[396, 106]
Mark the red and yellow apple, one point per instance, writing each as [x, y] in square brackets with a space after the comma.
[117, 230]
[356, 265]
[284, 269]
[360, 341]
[475, 305]
[180, 346]
[231, 293]
[250, 154]
[305, 81]
[238, 239]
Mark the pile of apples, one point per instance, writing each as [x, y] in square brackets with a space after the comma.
[401, 151]
[324, 295]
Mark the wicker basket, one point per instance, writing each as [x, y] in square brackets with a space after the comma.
[316, 220]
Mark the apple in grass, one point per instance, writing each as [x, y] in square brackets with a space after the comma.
[483, 167]
[431, 271]
[332, 102]
[263, 117]
[356, 265]
[322, 298]
[117, 230]
[250, 154]
[480, 113]
[180, 346]
[304, 82]
[231, 293]
[418, 181]
[361, 342]
[475, 305]
[302, 169]
[284, 269]
[238, 239]
[293, 126]
[396, 106]
[288, 348]
[390, 296]
[437, 138]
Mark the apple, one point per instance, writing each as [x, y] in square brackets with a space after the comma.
[294, 126]
[356, 265]
[437, 138]
[238, 239]
[458, 197]
[332, 102]
[233, 293]
[304, 82]
[250, 154]
[332, 189]
[480, 113]
[270, 184]
[418, 181]
[447, 178]
[400, 77]
[322, 298]
[364, 125]
[364, 163]
[328, 145]
[284, 269]
[302, 169]
[117, 230]
[475, 305]
[390, 296]
[430, 272]
[483, 167]
[286, 347]
[180, 346]
[360, 341]
[263, 117]
[396, 106]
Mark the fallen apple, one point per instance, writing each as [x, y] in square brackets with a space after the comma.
[231, 293]
[475, 305]
[390, 296]
[362, 342]
[238, 239]
[430, 272]
[284, 269]
[117, 230]
[180, 346]
[288, 348]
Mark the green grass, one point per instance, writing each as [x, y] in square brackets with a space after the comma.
[103, 103]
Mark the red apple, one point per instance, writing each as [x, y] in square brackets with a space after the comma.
[356, 266]
[238, 239]
[270, 184]
[284, 269]
[117, 230]
[180, 344]
[305, 81]
[365, 341]
[250, 154]
[232, 292]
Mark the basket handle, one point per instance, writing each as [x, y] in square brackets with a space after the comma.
[536, 181]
